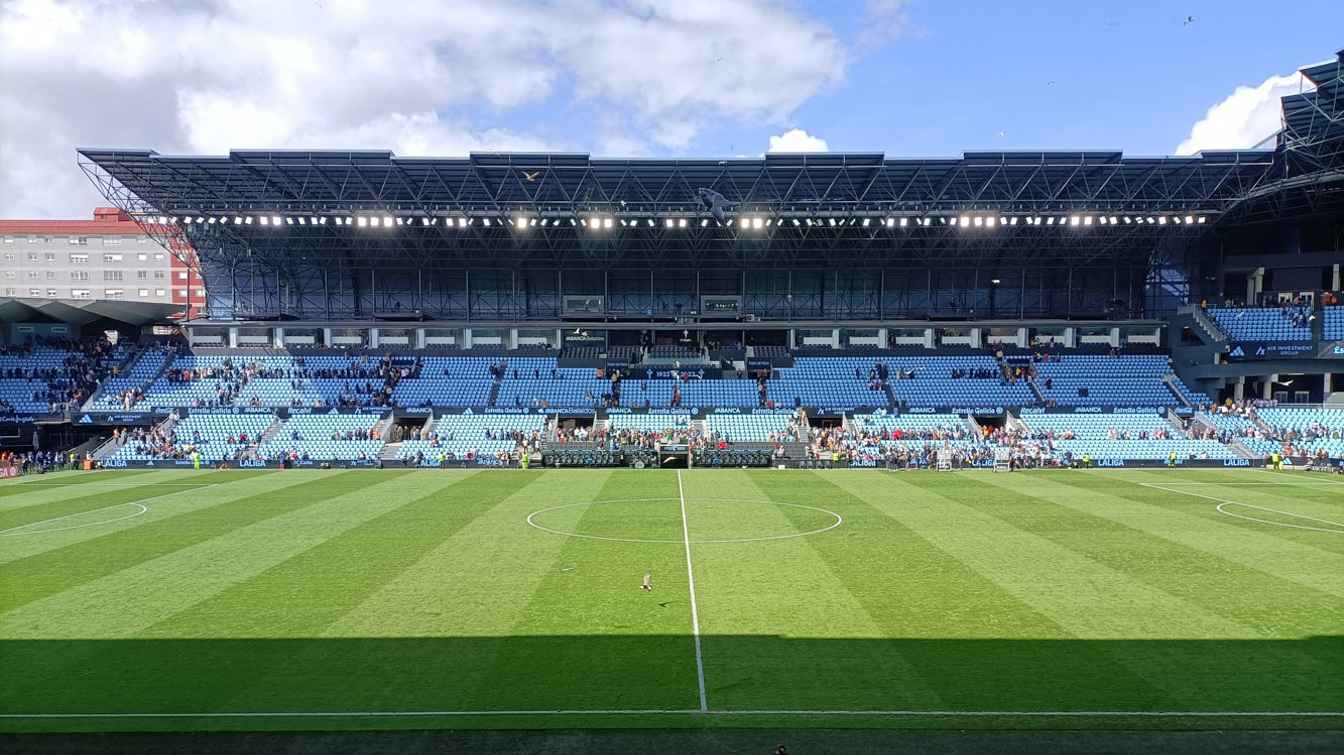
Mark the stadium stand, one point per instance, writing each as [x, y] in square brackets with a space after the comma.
[44, 377]
[738, 428]
[1307, 431]
[270, 381]
[471, 437]
[1102, 380]
[1334, 324]
[1120, 436]
[1288, 323]
[447, 381]
[124, 390]
[215, 437]
[325, 437]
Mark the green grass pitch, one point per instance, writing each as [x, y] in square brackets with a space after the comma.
[300, 600]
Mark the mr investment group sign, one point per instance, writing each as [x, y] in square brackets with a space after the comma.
[1249, 350]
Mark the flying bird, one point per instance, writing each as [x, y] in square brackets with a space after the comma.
[1188, 20]
[531, 176]
[716, 203]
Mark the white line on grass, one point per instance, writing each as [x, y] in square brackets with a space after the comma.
[695, 612]
[16, 530]
[1224, 502]
[665, 711]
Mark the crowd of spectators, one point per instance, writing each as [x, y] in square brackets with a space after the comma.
[37, 461]
[87, 363]
[368, 381]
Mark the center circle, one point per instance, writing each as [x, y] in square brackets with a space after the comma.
[656, 520]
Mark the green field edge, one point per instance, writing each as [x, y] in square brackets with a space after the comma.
[690, 719]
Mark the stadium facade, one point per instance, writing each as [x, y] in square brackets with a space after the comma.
[739, 275]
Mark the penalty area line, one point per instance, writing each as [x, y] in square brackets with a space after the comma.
[712, 712]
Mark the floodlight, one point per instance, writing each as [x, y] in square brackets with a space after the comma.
[978, 221]
[463, 222]
[1161, 219]
[681, 223]
[905, 222]
[1190, 219]
[606, 222]
[667, 223]
[757, 222]
[1202, 218]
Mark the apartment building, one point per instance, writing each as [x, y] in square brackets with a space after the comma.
[108, 258]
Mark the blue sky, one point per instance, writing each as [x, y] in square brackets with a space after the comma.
[635, 78]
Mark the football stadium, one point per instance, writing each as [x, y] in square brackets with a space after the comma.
[705, 454]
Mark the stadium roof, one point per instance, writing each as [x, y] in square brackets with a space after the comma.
[81, 312]
[354, 181]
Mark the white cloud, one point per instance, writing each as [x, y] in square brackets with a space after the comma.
[1244, 118]
[430, 77]
[797, 140]
[883, 21]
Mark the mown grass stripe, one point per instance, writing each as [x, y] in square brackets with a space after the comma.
[906, 579]
[304, 594]
[1234, 556]
[19, 517]
[735, 578]
[1183, 671]
[124, 604]
[648, 655]
[60, 569]
[30, 483]
[1271, 605]
[309, 593]
[1136, 489]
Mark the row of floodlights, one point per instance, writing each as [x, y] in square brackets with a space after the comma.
[746, 223]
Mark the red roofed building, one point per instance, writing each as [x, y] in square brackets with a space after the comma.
[108, 258]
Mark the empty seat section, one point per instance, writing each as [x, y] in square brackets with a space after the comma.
[447, 381]
[1263, 323]
[1100, 380]
[1334, 324]
[747, 428]
[326, 437]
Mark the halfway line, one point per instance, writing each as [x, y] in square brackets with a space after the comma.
[695, 613]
